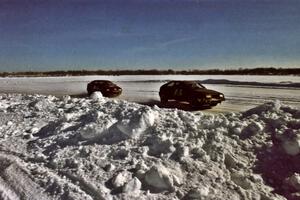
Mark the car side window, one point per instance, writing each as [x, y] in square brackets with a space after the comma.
[178, 92]
[170, 84]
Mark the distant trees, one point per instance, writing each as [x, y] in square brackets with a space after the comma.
[240, 71]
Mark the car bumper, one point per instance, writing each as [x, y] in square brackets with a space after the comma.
[210, 101]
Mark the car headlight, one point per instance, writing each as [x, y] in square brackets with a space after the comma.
[221, 95]
[208, 96]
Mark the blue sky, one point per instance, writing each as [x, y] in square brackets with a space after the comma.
[140, 34]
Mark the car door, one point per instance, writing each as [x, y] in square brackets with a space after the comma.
[168, 90]
[178, 92]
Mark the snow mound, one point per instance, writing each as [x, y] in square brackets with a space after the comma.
[100, 148]
[98, 126]
[96, 96]
[137, 121]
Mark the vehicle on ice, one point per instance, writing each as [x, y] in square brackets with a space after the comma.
[107, 88]
[189, 91]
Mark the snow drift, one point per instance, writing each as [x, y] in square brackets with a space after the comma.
[98, 148]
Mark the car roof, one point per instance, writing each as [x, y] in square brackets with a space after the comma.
[187, 83]
[184, 82]
[101, 81]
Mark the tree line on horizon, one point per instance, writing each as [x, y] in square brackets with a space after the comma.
[240, 71]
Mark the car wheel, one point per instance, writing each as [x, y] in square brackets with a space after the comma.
[194, 103]
[213, 104]
[163, 99]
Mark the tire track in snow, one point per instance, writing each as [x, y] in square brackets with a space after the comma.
[15, 183]
[11, 192]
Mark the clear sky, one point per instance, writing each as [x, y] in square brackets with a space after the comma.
[146, 34]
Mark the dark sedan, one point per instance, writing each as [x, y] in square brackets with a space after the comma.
[107, 88]
[190, 91]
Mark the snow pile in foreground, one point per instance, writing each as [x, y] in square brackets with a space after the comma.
[71, 148]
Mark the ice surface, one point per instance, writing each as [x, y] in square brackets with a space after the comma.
[241, 92]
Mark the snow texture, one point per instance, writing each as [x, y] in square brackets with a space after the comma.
[98, 148]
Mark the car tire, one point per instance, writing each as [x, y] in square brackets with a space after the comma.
[194, 103]
[213, 104]
[163, 99]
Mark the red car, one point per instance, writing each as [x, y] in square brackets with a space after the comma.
[107, 88]
[190, 91]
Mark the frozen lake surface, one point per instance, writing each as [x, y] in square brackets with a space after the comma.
[99, 148]
[241, 92]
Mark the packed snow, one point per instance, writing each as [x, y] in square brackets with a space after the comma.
[99, 148]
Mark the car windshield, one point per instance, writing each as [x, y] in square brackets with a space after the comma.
[195, 85]
[104, 83]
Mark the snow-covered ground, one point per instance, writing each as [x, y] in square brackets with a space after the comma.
[62, 147]
[99, 148]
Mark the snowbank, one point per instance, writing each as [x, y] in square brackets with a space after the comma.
[98, 148]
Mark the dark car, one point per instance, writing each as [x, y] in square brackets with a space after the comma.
[190, 91]
[107, 88]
